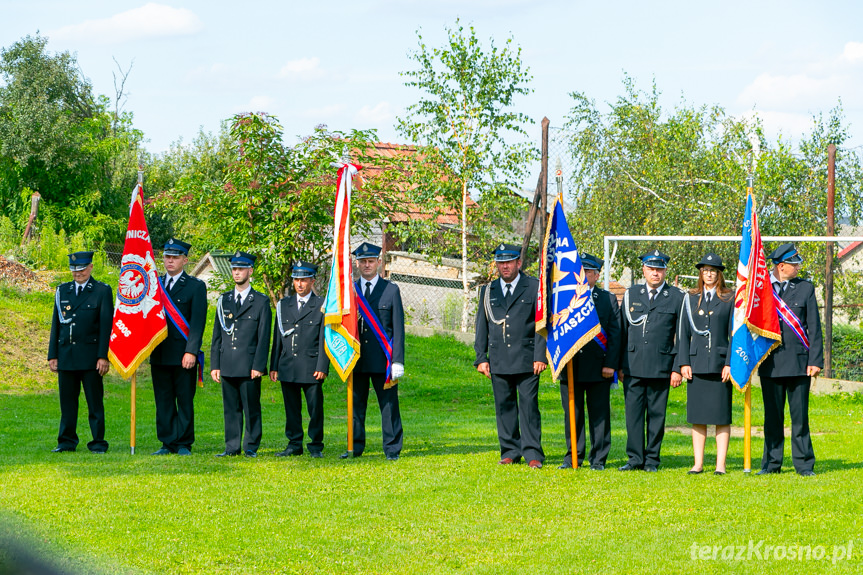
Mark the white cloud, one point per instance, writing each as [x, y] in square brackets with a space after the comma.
[304, 68]
[792, 91]
[379, 114]
[853, 52]
[149, 21]
[262, 103]
[323, 114]
[791, 125]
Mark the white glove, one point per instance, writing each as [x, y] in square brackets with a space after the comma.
[398, 371]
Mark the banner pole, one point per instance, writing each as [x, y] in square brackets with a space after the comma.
[132, 424]
[573, 438]
[350, 383]
[747, 431]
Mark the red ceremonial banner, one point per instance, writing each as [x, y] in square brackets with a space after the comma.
[139, 316]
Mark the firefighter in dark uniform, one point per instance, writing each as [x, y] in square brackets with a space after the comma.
[298, 360]
[174, 362]
[594, 369]
[788, 371]
[649, 363]
[78, 350]
[385, 301]
[511, 353]
[238, 356]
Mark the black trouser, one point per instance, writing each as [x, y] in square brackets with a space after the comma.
[242, 396]
[516, 407]
[645, 402]
[294, 418]
[70, 383]
[174, 390]
[773, 392]
[598, 410]
[391, 419]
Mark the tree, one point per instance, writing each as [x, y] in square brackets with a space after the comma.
[641, 170]
[59, 139]
[464, 124]
[273, 201]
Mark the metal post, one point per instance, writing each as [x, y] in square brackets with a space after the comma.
[828, 273]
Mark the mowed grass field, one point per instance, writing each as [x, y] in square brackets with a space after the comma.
[444, 507]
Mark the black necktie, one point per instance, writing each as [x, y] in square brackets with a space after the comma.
[508, 293]
[368, 291]
[707, 297]
[78, 291]
[652, 294]
[239, 301]
[170, 283]
[302, 304]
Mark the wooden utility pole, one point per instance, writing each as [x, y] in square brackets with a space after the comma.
[544, 175]
[34, 211]
[828, 273]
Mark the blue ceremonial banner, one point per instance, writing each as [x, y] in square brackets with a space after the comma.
[756, 328]
[565, 313]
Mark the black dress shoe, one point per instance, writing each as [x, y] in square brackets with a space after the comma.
[99, 451]
[565, 465]
[393, 457]
[806, 473]
[347, 455]
[316, 454]
[60, 449]
[289, 451]
[250, 453]
[162, 451]
[651, 468]
[695, 472]
[227, 453]
[184, 451]
[767, 471]
[629, 467]
[597, 466]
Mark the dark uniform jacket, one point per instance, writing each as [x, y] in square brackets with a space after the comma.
[588, 362]
[189, 294]
[386, 302]
[300, 352]
[238, 353]
[514, 345]
[77, 345]
[651, 349]
[702, 353]
[791, 358]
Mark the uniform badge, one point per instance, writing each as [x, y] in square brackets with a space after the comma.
[236, 255]
[68, 307]
[665, 293]
[656, 252]
[642, 290]
[230, 315]
[711, 313]
[171, 241]
[709, 258]
[701, 312]
[631, 309]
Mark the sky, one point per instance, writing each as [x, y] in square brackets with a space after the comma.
[196, 63]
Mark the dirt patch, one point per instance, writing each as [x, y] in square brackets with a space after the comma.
[22, 277]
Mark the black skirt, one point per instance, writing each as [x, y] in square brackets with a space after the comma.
[708, 400]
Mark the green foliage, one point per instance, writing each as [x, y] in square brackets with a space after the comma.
[270, 200]
[847, 352]
[465, 126]
[60, 140]
[642, 170]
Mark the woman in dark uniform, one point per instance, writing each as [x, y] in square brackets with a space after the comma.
[703, 336]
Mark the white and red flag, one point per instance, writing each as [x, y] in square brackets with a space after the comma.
[139, 316]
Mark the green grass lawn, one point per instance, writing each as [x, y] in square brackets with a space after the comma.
[445, 507]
